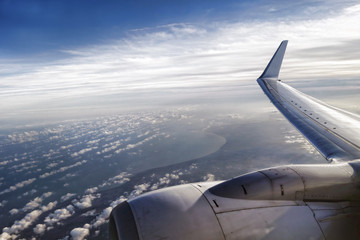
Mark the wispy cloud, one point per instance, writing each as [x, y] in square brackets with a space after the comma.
[188, 55]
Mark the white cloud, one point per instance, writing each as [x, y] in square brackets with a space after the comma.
[86, 201]
[62, 169]
[22, 224]
[138, 189]
[79, 233]
[31, 192]
[59, 214]
[3, 203]
[18, 185]
[14, 211]
[31, 217]
[6, 236]
[4, 162]
[185, 55]
[39, 229]
[67, 196]
[36, 201]
[91, 190]
[135, 145]
[24, 137]
[85, 150]
[143, 134]
[118, 201]
[54, 164]
[89, 213]
[101, 219]
[49, 206]
[33, 204]
[209, 177]
[121, 178]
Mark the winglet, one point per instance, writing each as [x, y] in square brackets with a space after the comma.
[273, 68]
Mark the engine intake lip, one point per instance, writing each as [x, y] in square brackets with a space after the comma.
[122, 223]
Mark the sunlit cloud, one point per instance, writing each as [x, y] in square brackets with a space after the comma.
[79, 233]
[20, 224]
[58, 215]
[86, 201]
[35, 203]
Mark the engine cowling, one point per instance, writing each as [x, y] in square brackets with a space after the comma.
[290, 202]
[173, 213]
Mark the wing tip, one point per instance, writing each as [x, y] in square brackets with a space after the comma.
[273, 68]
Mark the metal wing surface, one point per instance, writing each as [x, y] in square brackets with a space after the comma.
[334, 132]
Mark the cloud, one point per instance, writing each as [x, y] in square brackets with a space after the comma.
[3, 203]
[24, 137]
[138, 189]
[62, 169]
[209, 177]
[18, 185]
[39, 229]
[81, 152]
[53, 218]
[79, 233]
[23, 223]
[30, 218]
[135, 145]
[118, 201]
[54, 164]
[67, 196]
[33, 204]
[6, 236]
[4, 162]
[121, 178]
[31, 192]
[36, 202]
[59, 214]
[293, 137]
[86, 201]
[101, 219]
[188, 55]
[111, 146]
[143, 134]
[91, 190]
[49, 206]
[14, 211]
[89, 213]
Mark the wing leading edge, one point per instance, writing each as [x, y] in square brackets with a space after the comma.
[334, 132]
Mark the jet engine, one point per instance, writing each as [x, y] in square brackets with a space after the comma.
[288, 202]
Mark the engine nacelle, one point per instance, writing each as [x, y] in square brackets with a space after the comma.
[290, 202]
[330, 182]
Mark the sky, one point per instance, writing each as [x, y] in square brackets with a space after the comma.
[62, 59]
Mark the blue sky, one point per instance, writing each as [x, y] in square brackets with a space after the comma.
[32, 26]
[39, 26]
[72, 56]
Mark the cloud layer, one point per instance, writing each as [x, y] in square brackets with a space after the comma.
[181, 55]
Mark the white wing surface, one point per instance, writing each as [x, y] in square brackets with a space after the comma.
[334, 132]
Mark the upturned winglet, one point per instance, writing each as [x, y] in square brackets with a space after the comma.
[273, 68]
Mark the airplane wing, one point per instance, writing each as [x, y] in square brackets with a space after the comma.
[334, 132]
